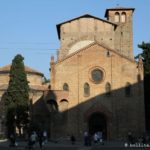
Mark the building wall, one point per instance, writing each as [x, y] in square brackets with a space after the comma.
[4, 78]
[123, 33]
[32, 78]
[118, 70]
[85, 29]
[118, 37]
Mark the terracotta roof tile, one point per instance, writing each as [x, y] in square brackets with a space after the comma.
[6, 69]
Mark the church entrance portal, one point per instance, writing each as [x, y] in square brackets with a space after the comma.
[97, 122]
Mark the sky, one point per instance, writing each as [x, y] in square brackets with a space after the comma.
[28, 27]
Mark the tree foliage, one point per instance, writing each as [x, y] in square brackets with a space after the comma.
[45, 80]
[17, 96]
[146, 56]
[146, 60]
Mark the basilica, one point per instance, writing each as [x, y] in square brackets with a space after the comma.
[95, 82]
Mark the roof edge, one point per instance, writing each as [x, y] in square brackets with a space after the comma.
[100, 44]
[117, 8]
[6, 69]
[86, 15]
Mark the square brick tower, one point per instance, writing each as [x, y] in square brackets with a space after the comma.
[123, 34]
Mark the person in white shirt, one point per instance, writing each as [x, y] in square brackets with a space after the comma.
[95, 138]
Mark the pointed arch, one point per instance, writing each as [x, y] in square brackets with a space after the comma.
[86, 89]
[63, 106]
[66, 87]
[128, 89]
[108, 89]
[52, 105]
[117, 17]
[123, 17]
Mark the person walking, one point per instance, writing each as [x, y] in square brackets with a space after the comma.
[72, 139]
[45, 137]
[95, 138]
[12, 140]
[41, 140]
[85, 138]
[32, 140]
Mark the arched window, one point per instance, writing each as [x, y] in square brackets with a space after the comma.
[123, 17]
[49, 87]
[117, 17]
[63, 105]
[65, 87]
[52, 105]
[108, 53]
[63, 108]
[138, 77]
[86, 89]
[108, 89]
[128, 89]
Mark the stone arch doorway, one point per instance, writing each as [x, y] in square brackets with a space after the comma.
[52, 105]
[97, 123]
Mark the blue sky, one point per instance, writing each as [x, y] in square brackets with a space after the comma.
[28, 27]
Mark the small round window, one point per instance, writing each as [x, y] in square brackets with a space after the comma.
[97, 75]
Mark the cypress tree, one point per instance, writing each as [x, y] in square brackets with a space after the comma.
[17, 97]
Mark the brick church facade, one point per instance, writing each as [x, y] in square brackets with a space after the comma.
[99, 84]
[95, 83]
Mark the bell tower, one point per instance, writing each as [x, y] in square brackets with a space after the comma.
[124, 32]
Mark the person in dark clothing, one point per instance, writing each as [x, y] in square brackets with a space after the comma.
[73, 139]
[89, 140]
[130, 138]
[40, 139]
[32, 140]
[12, 140]
[85, 138]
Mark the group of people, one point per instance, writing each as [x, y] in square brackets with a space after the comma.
[131, 139]
[41, 137]
[97, 137]
[33, 138]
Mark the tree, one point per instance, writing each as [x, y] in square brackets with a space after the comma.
[45, 80]
[146, 61]
[17, 97]
[146, 56]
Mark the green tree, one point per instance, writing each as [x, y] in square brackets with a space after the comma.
[17, 97]
[146, 61]
[146, 56]
[45, 80]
